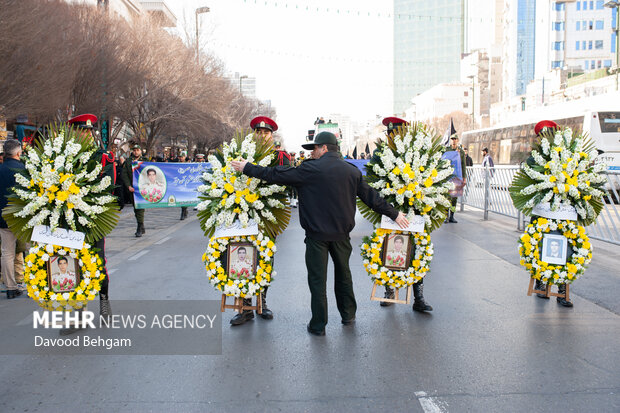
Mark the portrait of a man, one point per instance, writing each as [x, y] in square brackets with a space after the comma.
[396, 251]
[554, 249]
[152, 184]
[242, 260]
[63, 274]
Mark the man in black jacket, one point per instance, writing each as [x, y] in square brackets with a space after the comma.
[11, 165]
[327, 188]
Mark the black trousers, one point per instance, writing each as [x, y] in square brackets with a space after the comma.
[316, 263]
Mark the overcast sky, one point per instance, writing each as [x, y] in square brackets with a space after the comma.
[308, 63]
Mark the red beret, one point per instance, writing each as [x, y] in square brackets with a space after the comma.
[545, 124]
[393, 122]
[263, 122]
[86, 120]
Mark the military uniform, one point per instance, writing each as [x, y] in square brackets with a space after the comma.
[419, 304]
[127, 178]
[263, 126]
[539, 285]
[86, 122]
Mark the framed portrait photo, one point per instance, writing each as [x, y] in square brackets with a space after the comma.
[554, 249]
[63, 274]
[242, 260]
[397, 251]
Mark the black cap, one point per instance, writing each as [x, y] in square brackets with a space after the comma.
[322, 138]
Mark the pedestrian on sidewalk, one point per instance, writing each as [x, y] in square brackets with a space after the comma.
[127, 175]
[183, 158]
[8, 169]
[328, 187]
[454, 146]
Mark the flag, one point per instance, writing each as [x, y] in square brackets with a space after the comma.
[367, 149]
[450, 131]
[355, 152]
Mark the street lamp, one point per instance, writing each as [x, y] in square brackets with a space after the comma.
[241, 81]
[615, 4]
[199, 10]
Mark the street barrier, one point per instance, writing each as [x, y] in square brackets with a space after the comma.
[487, 190]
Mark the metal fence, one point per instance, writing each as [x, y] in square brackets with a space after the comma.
[487, 189]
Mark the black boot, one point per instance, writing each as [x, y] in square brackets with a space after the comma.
[267, 313]
[74, 328]
[105, 311]
[243, 316]
[539, 285]
[139, 231]
[142, 228]
[452, 220]
[418, 293]
[183, 213]
[561, 300]
[389, 293]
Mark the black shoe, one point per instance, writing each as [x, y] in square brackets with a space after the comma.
[389, 293]
[13, 294]
[315, 332]
[540, 286]
[452, 220]
[419, 304]
[182, 216]
[105, 311]
[143, 229]
[561, 300]
[242, 318]
[267, 313]
[349, 322]
[138, 232]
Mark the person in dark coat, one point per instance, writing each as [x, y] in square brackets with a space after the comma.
[8, 169]
[328, 187]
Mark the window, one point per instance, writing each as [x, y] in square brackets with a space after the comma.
[465, 105]
[592, 64]
[607, 63]
[466, 93]
[589, 44]
[578, 24]
[598, 64]
[600, 5]
[557, 64]
[583, 45]
[558, 46]
[558, 26]
[585, 65]
[559, 6]
[591, 25]
[577, 43]
[598, 44]
[592, 5]
[584, 5]
[578, 5]
[600, 24]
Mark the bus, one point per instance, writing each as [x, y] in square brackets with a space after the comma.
[512, 144]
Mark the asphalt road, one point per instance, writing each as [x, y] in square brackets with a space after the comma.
[487, 346]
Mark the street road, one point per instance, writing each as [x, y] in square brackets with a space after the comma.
[486, 347]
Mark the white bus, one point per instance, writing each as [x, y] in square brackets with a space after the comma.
[511, 145]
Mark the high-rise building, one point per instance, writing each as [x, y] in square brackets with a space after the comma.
[526, 43]
[428, 41]
[581, 35]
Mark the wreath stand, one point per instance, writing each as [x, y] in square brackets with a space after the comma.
[547, 291]
[394, 300]
[240, 307]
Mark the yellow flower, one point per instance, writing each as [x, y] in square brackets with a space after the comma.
[53, 188]
[396, 171]
[587, 197]
[434, 173]
[428, 182]
[229, 188]
[421, 169]
[552, 178]
[51, 196]
[70, 205]
[74, 189]
[251, 198]
[213, 185]
[62, 196]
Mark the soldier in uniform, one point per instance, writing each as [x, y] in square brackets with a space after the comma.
[127, 177]
[263, 127]
[454, 146]
[86, 123]
[393, 124]
[541, 127]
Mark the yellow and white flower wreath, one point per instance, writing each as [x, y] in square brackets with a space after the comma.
[254, 284]
[551, 273]
[419, 265]
[36, 277]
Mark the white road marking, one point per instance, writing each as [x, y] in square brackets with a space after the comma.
[138, 255]
[25, 321]
[112, 271]
[161, 241]
[427, 403]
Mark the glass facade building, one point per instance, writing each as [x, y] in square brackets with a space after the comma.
[429, 38]
[526, 42]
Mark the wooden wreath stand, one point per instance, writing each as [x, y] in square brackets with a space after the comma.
[394, 300]
[240, 307]
[547, 291]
